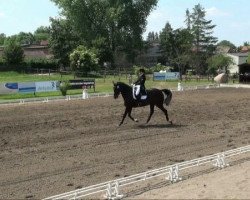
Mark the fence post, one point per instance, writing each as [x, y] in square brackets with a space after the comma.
[113, 191]
[174, 174]
[220, 161]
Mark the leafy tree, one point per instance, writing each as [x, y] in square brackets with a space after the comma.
[120, 22]
[102, 50]
[218, 62]
[24, 38]
[182, 47]
[13, 53]
[2, 38]
[248, 58]
[63, 40]
[227, 43]
[41, 33]
[246, 44]
[176, 46]
[153, 37]
[83, 60]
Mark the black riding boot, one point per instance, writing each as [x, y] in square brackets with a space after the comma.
[139, 101]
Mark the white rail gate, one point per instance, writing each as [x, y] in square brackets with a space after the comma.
[111, 189]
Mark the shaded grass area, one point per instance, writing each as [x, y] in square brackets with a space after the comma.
[103, 85]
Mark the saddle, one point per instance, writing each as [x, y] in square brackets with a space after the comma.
[139, 93]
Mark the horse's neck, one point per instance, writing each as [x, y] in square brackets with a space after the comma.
[126, 93]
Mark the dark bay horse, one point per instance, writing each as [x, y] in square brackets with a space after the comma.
[155, 97]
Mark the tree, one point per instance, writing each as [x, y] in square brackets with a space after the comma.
[182, 47]
[246, 43]
[13, 53]
[63, 40]
[167, 43]
[218, 62]
[248, 58]
[202, 29]
[188, 19]
[120, 22]
[24, 38]
[2, 38]
[227, 43]
[83, 60]
[41, 33]
[176, 46]
[152, 37]
[203, 41]
[102, 50]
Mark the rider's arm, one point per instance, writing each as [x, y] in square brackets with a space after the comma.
[138, 82]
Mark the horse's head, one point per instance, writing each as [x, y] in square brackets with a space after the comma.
[117, 90]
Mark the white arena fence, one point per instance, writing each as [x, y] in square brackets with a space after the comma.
[112, 189]
[48, 99]
[94, 95]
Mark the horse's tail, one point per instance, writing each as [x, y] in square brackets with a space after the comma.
[167, 96]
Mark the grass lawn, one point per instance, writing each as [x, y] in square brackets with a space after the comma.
[102, 85]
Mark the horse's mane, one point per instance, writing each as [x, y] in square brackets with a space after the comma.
[125, 87]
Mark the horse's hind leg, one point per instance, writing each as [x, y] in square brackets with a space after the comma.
[151, 112]
[165, 112]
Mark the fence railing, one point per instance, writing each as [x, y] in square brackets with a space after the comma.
[57, 98]
[111, 189]
[93, 95]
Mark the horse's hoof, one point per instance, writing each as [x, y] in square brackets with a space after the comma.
[136, 120]
[171, 122]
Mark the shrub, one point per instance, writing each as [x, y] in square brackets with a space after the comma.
[64, 87]
[41, 63]
[83, 60]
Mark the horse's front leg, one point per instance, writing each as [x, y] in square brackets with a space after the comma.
[129, 114]
[124, 115]
[151, 112]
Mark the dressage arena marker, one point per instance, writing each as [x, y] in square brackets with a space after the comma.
[21, 101]
[172, 173]
[46, 100]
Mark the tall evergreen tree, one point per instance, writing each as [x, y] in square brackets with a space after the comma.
[202, 29]
[203, 39]
[188, 19]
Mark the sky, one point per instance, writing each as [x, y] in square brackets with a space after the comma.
[231, 17]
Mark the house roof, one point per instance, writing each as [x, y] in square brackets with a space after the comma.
[245, 49]
[223, 49]
[239, 54]
[34, 51]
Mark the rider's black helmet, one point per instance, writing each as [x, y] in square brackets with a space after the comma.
[142, 70]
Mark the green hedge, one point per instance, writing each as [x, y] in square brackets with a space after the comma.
[34, 63]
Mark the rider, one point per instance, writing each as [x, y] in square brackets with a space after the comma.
[140, 84]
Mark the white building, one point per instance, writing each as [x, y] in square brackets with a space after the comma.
[238, 58]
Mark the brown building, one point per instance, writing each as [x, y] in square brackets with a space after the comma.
[35, 51]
